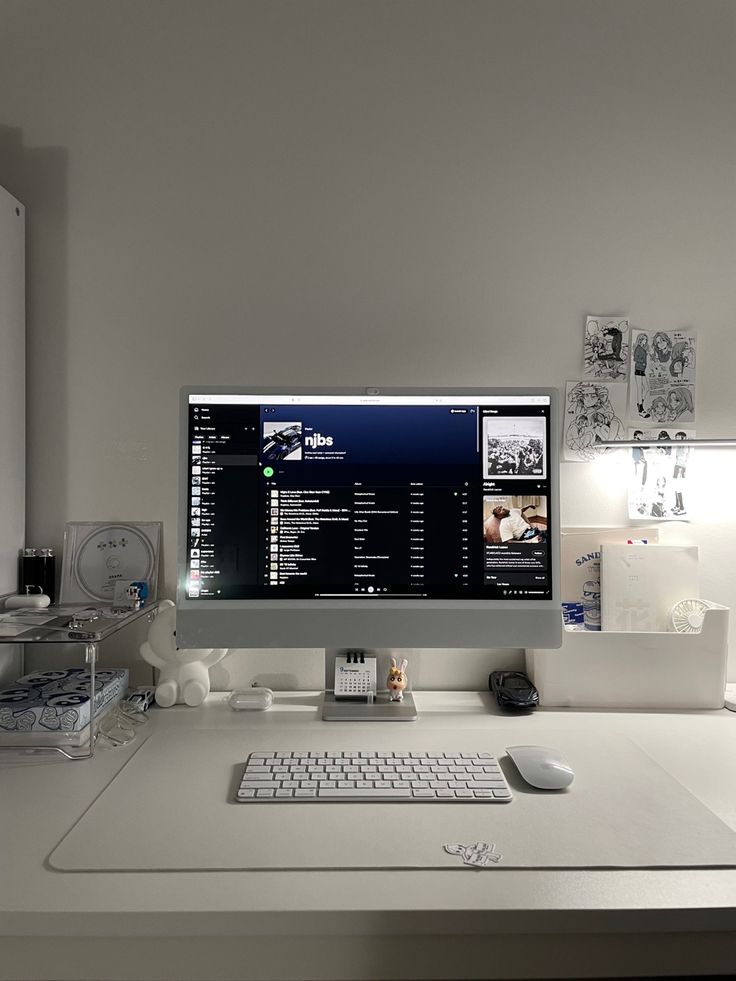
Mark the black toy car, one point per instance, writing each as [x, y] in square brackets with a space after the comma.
[513, 690]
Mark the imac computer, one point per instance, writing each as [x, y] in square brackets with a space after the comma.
[370, 518]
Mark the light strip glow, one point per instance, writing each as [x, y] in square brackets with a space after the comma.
[658, 442]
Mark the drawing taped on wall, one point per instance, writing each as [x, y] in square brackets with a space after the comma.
[606, 348]
[659, 474]
[662, 377]
[593, 415]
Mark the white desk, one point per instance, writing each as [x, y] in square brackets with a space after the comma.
[368, 924]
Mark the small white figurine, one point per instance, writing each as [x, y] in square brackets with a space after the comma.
[183, 675]
[396, 681]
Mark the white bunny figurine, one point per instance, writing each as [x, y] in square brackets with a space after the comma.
[397, 680]
[183, 675]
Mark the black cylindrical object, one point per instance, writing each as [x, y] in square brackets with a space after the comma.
[37, 572]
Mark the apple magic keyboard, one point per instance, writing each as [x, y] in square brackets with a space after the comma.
[368, 776]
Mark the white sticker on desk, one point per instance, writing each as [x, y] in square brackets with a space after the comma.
[479, 855]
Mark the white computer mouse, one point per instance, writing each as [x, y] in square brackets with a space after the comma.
[542, 767]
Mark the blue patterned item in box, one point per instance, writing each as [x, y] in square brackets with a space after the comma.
[58, 701]
[572, 613]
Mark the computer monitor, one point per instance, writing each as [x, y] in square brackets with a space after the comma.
[372, 518]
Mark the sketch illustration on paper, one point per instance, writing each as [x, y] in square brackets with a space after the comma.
[659, 474]
[593, 414]
[662, 377]
[606, 348]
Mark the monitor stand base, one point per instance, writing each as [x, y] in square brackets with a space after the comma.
[381, 709]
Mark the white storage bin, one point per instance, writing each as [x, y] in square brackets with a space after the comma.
[612, 669]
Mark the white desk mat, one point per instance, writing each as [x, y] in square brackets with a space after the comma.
[171, 809]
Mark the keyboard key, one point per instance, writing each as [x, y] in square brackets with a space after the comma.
[392, 793]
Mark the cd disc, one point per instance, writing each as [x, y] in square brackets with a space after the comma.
[111, 553]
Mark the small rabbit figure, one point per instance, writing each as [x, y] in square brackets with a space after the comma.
[397, 680]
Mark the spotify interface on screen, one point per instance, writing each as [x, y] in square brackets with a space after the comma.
[341, 496]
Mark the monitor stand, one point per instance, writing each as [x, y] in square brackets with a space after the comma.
[377, 707]
[381, 709]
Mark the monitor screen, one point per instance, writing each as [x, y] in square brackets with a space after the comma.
[354, 518]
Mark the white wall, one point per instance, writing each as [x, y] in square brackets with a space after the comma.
[381, 192]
